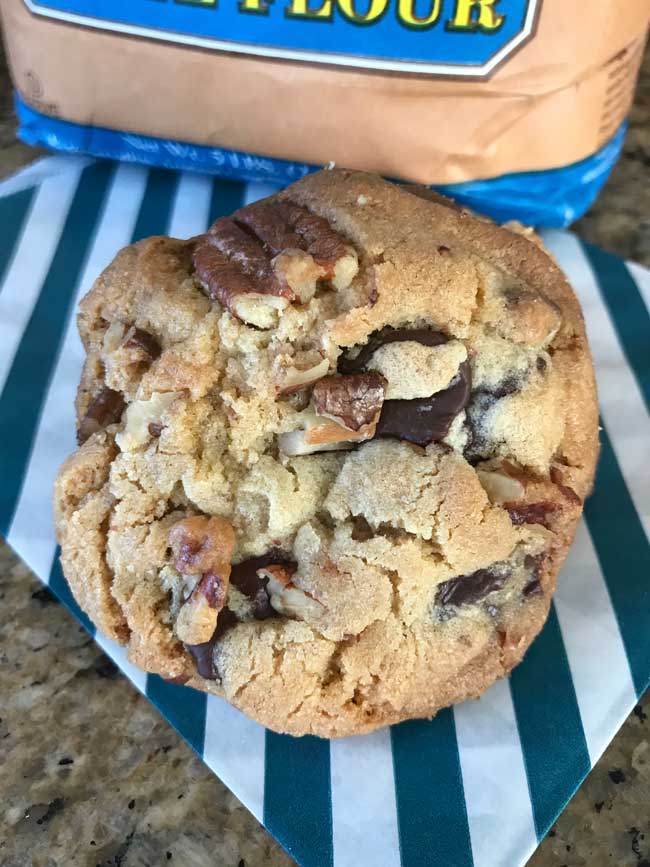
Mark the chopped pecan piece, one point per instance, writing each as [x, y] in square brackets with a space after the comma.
[246, 576]
[197, 618]
[106, 408]
[203, 653]
[289, 379]
[353, 401]
[201, 544]
[141, 415]
[319, 434]
[267, 255]
[205, 546]
[286, 598]
[500, 487]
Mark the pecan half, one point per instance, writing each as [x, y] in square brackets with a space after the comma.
[105, 408]
[267, 255]
[353, 401]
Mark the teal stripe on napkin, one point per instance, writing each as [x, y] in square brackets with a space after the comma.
[624, 554]
[226, 197]
[628, 312]
[431, 814]
[29, 377]
[156, 207]
[13, 211]
[297, 797]
[183, 708]
[550, 728]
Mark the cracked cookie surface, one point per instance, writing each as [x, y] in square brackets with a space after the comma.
[332, 453]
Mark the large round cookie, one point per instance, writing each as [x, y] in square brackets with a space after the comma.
[332, 453]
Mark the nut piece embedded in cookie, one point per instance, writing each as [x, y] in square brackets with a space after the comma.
[285, 597]
[357, 404]
[106, 408]
[139, 418]
[201, 544]
[352, 401]
[500, 487]
[197, 618]
[289, 378]
[267, 255]
[205, 546]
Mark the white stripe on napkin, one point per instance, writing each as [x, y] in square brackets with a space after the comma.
[234, 749]
[599, 667]
[494, 777]
[364, 811]
[31, 261]
[31, 531]
[191, 206]
[620, 398]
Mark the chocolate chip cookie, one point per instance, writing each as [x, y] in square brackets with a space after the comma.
[331, 453]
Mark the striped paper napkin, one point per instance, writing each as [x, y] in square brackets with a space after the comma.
[479, 784]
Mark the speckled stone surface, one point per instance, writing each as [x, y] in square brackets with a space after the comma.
[92, 776]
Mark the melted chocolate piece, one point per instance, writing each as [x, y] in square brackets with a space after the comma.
[533, 563]
[427, 419]
[136, 338]
[482, 401]
[203, 653]
[421, 420]
[389, 335]
[245, 578]
[470, 588]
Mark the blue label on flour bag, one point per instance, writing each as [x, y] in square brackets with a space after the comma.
[441, 37]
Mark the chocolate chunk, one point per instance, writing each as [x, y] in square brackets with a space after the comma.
[354, 400]
[136, 338]
[470, 588]
[531, 513]
[427, 419]
[421, 420]
[203, 653]
[155, 429]
[425, 336]
[105, 408]
[482, 401]
[244, 576]
[533, 564]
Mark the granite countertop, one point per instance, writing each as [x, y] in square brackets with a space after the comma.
[92, 775]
